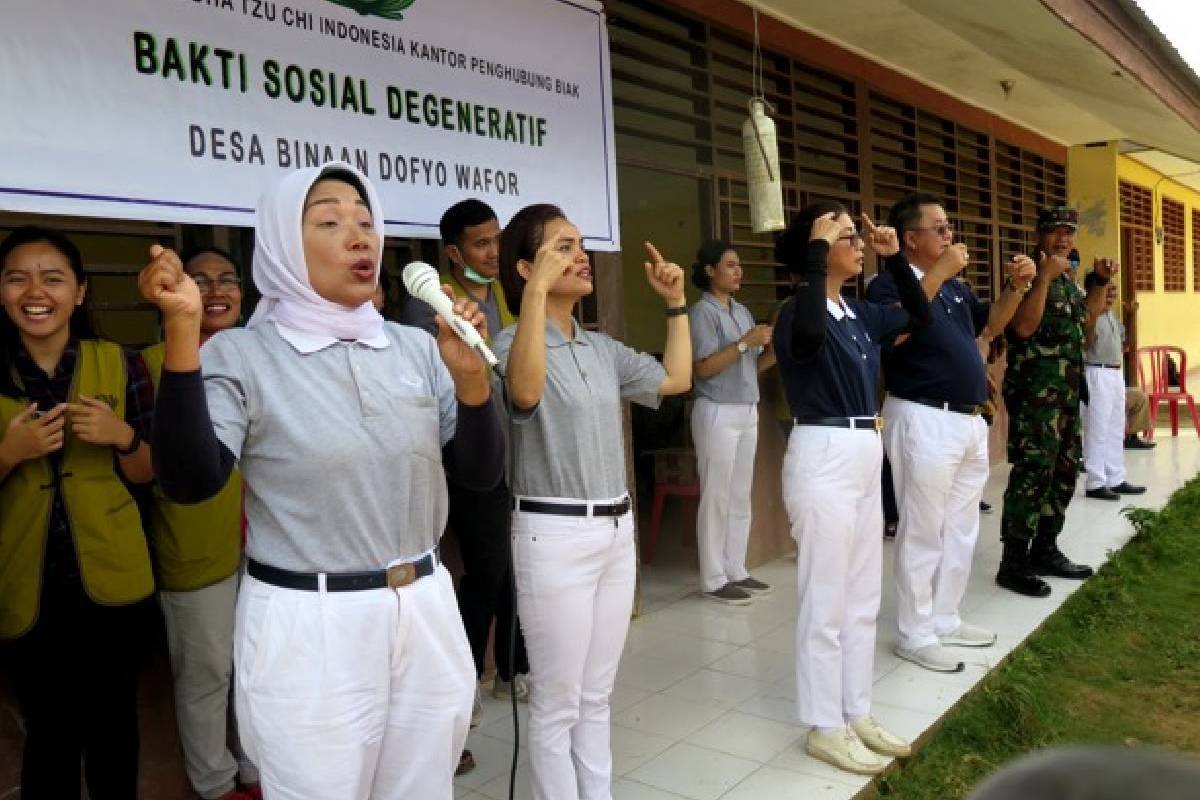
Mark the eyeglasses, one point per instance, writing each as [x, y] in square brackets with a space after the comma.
[851, 237]
[227, 282]
[940, 230]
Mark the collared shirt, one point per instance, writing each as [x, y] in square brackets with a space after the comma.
[1110, 336]
[339, 446]
[940, 361]
[50, 390]
[714, 327]
[571, 445]
[841, 379]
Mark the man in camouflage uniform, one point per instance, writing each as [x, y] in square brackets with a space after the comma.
[1042, 389]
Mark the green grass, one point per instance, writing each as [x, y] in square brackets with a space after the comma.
[1119, 662]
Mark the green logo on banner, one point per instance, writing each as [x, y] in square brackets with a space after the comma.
[388, 9]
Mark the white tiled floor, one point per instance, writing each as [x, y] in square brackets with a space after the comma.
[704, 705]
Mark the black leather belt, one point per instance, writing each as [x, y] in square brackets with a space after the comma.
[1098, 364]
[391, 578]
[572, 509]
[970, 409]
[854, 423]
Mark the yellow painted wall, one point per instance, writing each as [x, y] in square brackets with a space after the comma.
[1092, 188]
[1167, 317]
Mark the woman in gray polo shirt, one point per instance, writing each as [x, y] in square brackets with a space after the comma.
[353, 675]
[573, 553]
[729, 351]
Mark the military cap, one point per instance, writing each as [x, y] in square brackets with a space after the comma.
[1056, 216]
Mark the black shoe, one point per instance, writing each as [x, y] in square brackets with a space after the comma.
[1103, 493]
[1014, 573]
[1021, 580]
[1053, 562]
[1135, 442]
[985, 507]
[1125, 487]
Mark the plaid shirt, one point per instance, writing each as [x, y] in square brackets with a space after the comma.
[50, 390]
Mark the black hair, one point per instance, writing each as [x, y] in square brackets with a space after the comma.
[792, 244]
[520, 241]
[346, 176]
[709, 255]
[463, 215]
[196, 252]
[10, 336]
[905, 213]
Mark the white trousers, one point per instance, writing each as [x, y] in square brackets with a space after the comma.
[1104, 427]
[575, 581]
[726, 436]
[831, 491]
[939, 468]
[199, 626]
[361, 695]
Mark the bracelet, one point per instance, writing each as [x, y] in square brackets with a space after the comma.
[134, 444]
[676, 311]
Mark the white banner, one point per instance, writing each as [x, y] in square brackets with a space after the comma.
[184, 110]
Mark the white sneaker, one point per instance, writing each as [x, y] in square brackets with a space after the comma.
[477, 709]
[932, 657]
[843, 750]
[519, 685]
[874, 736]
[969, 636]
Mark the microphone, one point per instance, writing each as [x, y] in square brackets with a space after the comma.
[423, 283]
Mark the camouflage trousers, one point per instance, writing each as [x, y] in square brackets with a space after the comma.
[1044, 446]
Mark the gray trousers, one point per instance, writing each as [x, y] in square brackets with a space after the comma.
[200, 638]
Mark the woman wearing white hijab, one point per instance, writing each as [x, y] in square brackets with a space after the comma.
[353, 675]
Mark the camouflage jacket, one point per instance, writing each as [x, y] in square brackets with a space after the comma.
[1047, 368]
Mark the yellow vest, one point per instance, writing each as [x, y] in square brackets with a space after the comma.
[194, 545]
[105, 525]
[506, 316]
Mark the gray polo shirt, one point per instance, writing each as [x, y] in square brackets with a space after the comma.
[571, 445]
[715, 327]
[339, 443]
[1110, 335]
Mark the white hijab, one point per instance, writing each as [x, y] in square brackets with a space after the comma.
[281, 274]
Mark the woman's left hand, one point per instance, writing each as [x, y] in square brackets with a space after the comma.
[466, 366]
[665, 278]
[92, 421]
[882, 238]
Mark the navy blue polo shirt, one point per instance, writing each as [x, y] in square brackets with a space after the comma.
[841, 379]
[940, 361]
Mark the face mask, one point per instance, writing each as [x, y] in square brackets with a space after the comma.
[475, 277]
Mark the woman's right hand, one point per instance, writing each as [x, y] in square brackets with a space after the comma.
[31, 436]
[825, 228]
[164, 283]
[548, 266]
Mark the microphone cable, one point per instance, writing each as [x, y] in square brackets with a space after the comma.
[513, 627]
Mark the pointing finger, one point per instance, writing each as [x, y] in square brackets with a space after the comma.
[655, 256]
[866, 221]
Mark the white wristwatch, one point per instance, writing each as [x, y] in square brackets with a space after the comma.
[742, 347]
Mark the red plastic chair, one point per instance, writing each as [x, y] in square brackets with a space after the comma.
[674, 476]
[1153, 370]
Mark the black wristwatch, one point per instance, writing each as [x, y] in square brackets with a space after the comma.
[134, 444]
[677, 311]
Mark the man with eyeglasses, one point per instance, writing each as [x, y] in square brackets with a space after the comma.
[1043, 387]
[936, 436]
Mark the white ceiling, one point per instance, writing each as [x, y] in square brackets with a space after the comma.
[1065, 87]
